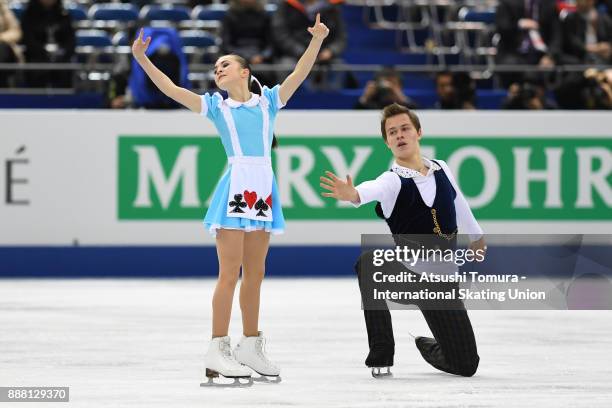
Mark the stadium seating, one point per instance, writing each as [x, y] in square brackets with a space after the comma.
[431, 34]
[93, 38]
[17, 9]
[213, 12]
[77, 12]
[199, 43]
[166, 13]
[113, 15]
[94, 45]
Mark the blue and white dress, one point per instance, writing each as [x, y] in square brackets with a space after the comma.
[246, 197]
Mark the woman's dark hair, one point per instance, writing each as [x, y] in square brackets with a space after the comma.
[254, 86]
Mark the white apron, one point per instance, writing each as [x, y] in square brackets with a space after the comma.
[250, 190]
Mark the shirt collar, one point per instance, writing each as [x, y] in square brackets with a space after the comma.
[407, 172]
[249, 104]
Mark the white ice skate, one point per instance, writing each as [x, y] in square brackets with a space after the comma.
[250, 352]
[220, 361]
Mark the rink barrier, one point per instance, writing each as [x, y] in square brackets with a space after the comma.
[201, 261]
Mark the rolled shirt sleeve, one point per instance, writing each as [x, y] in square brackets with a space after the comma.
[384, 189]
[465, 218]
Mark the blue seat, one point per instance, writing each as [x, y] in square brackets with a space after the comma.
[17, 9]
[114, 12]
[197, 38]
[77, 13]
[120, 39]
[92, 38]
[212, 12]
[165, 13]
[270, 8]
[477, 16]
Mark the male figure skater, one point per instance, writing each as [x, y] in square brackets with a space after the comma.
[418, 196]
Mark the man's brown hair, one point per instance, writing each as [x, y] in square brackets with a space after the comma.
[394, 110]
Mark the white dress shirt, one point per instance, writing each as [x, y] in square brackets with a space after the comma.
[386, 187]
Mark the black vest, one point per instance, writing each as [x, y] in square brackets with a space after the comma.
[412, 216]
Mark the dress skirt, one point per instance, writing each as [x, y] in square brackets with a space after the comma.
[216, 216]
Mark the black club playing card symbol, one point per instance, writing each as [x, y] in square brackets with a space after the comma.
[238, 204]
[261, 206]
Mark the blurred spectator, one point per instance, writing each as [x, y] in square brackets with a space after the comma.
[385, 89]
[529, 34]
[530, 95]
[166, 53]
[605, 7]
[10, 34]
[193, 3]
[455, 91]
[48, 36]
[589, 90]
[587, 35]
[291, 37]
[246, 30]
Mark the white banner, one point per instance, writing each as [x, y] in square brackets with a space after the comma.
[59, 171]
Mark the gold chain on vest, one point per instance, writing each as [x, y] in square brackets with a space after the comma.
[438, 230]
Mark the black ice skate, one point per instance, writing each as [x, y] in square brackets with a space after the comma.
[427, 346]
[380, 361]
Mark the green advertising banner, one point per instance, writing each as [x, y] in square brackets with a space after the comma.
[539, 178]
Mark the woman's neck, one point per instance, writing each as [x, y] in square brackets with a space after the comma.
[241, 94]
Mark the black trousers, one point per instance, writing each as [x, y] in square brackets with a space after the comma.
[453, 348]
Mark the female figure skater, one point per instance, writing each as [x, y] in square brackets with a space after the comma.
[418, 196]
[245, 207]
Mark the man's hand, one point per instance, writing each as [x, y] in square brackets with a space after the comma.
[528, 24]
[340, 190]
[546, 62]
[256, 59]
[604, 50]
[368, 92]
[479, 245]
[325, 55]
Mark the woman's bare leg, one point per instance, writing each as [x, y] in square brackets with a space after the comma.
[256, 245]
[229, 251]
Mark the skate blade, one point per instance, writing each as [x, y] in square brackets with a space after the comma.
[268, 379]
[237, 383]
[378, 373]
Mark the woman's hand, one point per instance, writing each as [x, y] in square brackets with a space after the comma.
[140, 47]
[319, 31]
[340, 190]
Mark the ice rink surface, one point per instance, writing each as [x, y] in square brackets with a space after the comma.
[140, 343]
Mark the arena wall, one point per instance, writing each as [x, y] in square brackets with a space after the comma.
[102, 193]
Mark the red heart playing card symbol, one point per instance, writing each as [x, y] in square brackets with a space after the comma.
[269, 200]
[250, 197]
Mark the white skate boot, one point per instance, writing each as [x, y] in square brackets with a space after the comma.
[250, 352]
[220, 361]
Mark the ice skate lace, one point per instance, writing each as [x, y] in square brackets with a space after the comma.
[261, 344]
[226, 351]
